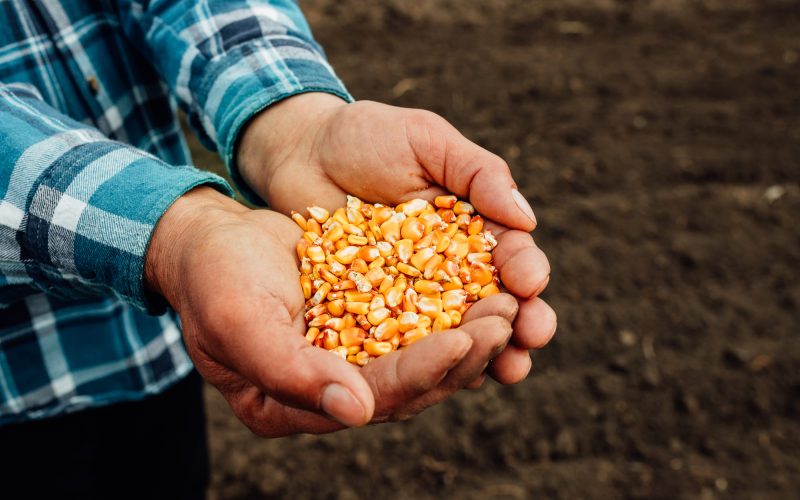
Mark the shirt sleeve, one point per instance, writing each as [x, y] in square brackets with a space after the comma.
[227, 60]
[77, 210]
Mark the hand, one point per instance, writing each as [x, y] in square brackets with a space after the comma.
[312, 149]
[231, 274]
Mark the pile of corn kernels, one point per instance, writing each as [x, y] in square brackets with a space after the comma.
[378, 278]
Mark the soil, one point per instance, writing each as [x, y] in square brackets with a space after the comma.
[659, 141]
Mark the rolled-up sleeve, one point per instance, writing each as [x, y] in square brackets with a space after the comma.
[227, 60]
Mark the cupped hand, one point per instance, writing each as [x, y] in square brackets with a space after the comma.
[313, 149]
[231, 274]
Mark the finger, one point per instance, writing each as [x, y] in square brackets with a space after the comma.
[511, 366]
[501, 304]
[477, 383]
[535, 324]
[524, 269]
[401, 376]
[467, 169]
[490, 335]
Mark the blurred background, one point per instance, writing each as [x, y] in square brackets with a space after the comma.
[659, 142]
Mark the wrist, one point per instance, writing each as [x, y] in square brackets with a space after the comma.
[281, 133]
[185, 222]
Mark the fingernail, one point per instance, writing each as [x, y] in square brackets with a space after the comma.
[523, 205]
[339, 403]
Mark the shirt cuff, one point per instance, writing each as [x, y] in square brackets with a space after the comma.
[254, 76]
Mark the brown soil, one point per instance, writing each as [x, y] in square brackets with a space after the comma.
[660, 143]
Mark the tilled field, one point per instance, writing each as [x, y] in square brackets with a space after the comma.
[660, 143]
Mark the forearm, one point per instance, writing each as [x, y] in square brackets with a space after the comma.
[78, 210]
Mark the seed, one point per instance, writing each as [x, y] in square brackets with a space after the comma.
[484, 257]
[394, 297]
[330, 339]
[362, 283]
[429, 307]
[455, 318]
[319, 320]
[340, 351]
[305, 284]
[419, 259]
[355, 296]
[384, 248]
[377, 302]
[344, 285]
[374, 276]
[424, 242]
[388, 328]
[386, 284]
[447, 215]
[475, 225]
[368, 253]
[487, 290]
[311, 334]
[462, 207]
[357, 307]
[318, 213]
[340, 216]
[375, 348]
[477, 243]
[453, 299]
[480, 273]
[472, 288]
[328, 276]
[357, 240]
[391, 230]
[414, 207]
[448, 201]
[410, 299]
[431, 266]
[462, 221]
[412, 336]
[347, 254]
[363, 322]
[404, 249]
[320, 294]
[441, 322]
[362, 358]
[359, 266]
[352, 350]
[299, 219]
[352, 336]
[408, 321]
[440, 241]
[313, 227]
[335, 324]
[426, 286]
[334, 232]
[408, 270]
[336, 307]
[377, 316]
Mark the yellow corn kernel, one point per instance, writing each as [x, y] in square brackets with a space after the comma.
[355, 296]
[390, 230]
[351, 358]
[412, 336]
[377, 302]
[357, 307]
[424, 242]
[353, 349]
[487, 290]
[387, 329]
[412, 229]
[359, 266]
[404, 249]
[357, 240]
[362, 358]
[337, 268]
[448, 201]
[344, 285]
[363, 322]
[407, 321]
[346, 255]
[419, 259]
[349, 320]
[441, 322]
[429, 307]
[299, 219]
[305, 266]
[305, 284]
[453, 284]
[453, 299]
[386, 284]
[447, 215]
[375, 276]
[394, 297]
[480, 273]
[352, 229]
[381, 214]
[472, 288]
[352, 337]
[455, 317]
[313, 227]
[340, 216]
[315, 311]
[475, 225]
[328, 276]
[440, 241]
[375, 348]
[431, 266]
[484, 257]
[401, 282]
[335, 324]
[462, 221]
[408, 270]
[340, 243]
[320, 294]
[301, 248]
[334, 232]
[413, 208]
[377, 316]
[462, 207]
[385, 248]
[335, 295]
[410, 299]
[368, 253]
[336, 307]
[430, 221]
[427, 286]
[354, 215]
[477, 243]
[311, 334]
[459, 248]
[318, 213]
[330, 339]
[424, 322]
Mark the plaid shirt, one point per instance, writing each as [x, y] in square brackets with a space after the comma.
[91, 156]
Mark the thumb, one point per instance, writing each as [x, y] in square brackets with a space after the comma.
[468, 170]
[269, 350]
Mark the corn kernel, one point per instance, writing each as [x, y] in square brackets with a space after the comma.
[375, 348]
[352, 336]
[318, 213]
[299, 219]
[448, 201]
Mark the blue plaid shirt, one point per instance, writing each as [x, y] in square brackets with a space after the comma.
[91, 156]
